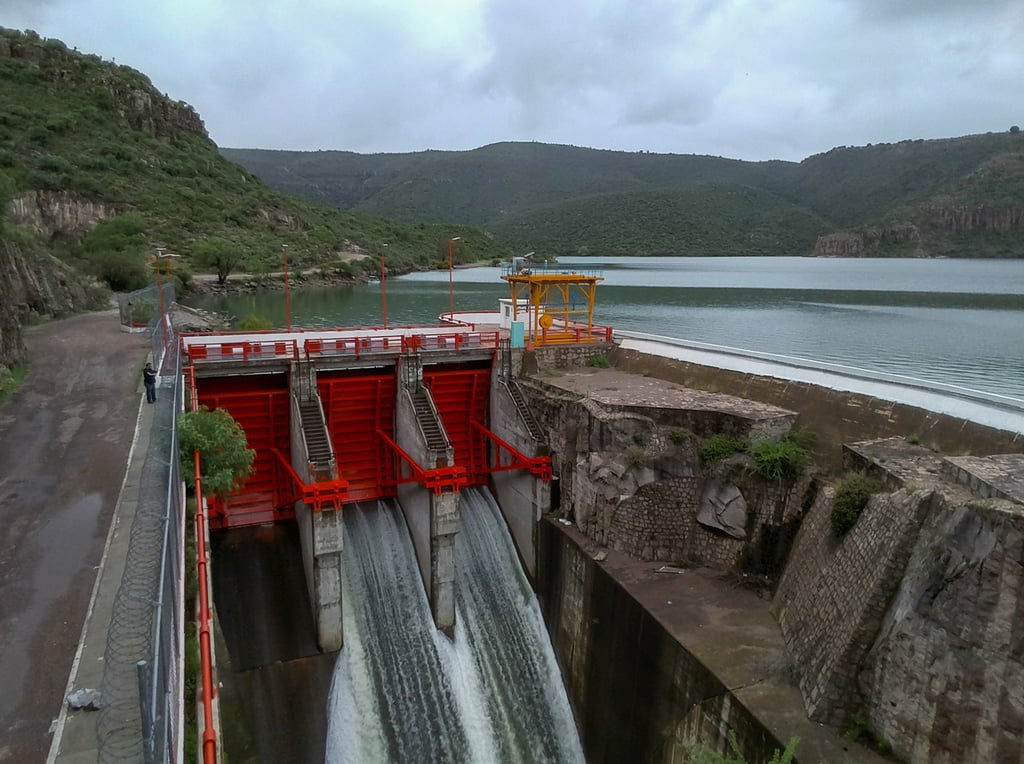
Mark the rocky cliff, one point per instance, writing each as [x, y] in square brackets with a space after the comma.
[980, 215]
[35, 284]
[53, 213]
[139, 105]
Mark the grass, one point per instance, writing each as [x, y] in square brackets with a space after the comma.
[599, 362]
[11, 379]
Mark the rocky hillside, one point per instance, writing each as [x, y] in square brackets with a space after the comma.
[86, 143]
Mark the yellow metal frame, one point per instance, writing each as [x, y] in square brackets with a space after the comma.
[553, 317]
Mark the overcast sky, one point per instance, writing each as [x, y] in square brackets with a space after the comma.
[750, 79]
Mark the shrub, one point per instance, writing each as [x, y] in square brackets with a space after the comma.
[225, 457]
[778, 459]
[719, 447]
[678, 436]
[599, 362]
[852, 495]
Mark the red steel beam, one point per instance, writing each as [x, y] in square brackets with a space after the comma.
[537, 465]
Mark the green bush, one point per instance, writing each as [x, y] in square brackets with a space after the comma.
[778, 459]
[225, 458]
[852, 495]
[599, 362]
[719, 446]
[122, 271]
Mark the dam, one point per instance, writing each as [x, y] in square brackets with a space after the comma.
[632, 498]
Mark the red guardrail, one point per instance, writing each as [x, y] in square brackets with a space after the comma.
[205, 656]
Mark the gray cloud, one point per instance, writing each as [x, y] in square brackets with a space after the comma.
[756, 80]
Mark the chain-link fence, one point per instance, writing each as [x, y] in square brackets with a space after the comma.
[141, 718]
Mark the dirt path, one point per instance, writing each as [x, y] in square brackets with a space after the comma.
[64, 443]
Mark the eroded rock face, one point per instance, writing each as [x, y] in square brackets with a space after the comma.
[37, 284]
[49, 213]
[723, 507]
[945, 677]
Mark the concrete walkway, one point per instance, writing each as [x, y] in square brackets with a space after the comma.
[65, 436]
[75, 739]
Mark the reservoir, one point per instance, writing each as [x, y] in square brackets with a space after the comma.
[953, 321]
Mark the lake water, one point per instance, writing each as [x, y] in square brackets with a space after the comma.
[959, 322]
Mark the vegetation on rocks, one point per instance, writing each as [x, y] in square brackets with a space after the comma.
[852, 494]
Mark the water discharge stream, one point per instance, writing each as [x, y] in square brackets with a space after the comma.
[403, 692]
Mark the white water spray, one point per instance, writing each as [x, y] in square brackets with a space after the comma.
[402, 692]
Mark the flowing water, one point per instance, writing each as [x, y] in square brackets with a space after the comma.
[403, 692]
[956, 321]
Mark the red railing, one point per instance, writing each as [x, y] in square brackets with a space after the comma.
[437, 480]
[330, 492]
[205, 657]
[242, 351]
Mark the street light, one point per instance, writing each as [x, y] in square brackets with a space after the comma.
[451, 285]
[287, 302]
[383, 287]
[161, 256]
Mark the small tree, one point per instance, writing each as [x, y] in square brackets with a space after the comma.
[218, 254]
[224, 455]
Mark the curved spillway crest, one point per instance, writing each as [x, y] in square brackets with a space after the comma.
[403, 692]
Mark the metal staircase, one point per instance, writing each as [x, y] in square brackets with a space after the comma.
[532, 425]
[428, 420]
[318, 445]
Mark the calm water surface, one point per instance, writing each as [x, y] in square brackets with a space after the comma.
[960, 322]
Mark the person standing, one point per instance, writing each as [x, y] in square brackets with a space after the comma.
[149, 378]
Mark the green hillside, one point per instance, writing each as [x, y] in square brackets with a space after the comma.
[697, 220]
[956, 196]
[96, 139]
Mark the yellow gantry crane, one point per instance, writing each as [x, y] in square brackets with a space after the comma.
[558, 303]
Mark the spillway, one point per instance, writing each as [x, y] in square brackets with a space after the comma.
[403, 692]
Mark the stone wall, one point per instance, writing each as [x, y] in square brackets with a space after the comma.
[638, 695]
[631, 479]
[834, 593]
[550, 357]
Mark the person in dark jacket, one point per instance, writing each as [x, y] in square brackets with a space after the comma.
[149, 377]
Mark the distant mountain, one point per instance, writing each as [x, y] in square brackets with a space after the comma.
[954, 197]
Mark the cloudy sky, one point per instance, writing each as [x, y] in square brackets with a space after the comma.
[751, 79]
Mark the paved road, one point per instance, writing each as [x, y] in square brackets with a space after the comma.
[64, 443]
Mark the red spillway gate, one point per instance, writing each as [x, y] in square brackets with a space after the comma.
[356, 405]
[462, 396]
[260, 405]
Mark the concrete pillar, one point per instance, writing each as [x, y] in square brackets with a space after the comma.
[320, 534]
[523, 498]
[433, 520]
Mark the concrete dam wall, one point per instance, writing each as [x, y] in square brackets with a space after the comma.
[906, 630]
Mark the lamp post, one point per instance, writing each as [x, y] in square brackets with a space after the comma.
[451, 284]
[162, 256]
[287, 301]
[383, 286]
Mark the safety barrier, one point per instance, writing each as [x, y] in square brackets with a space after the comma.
[242, 351]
